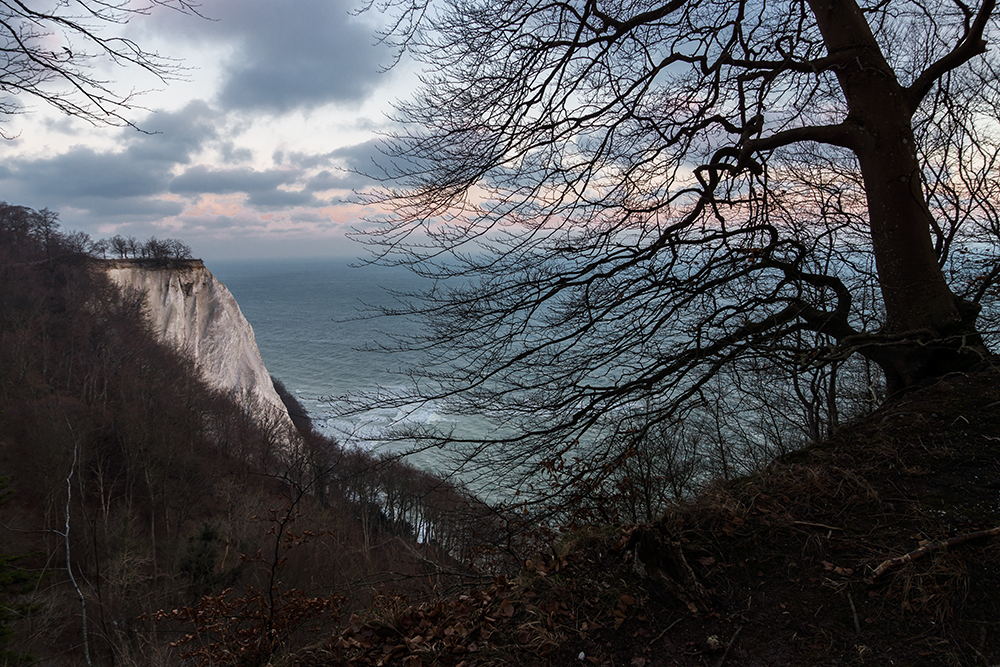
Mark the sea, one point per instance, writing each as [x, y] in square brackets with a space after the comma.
[311, 319]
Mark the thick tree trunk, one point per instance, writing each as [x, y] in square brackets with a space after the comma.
[928, 330]
[932, 331]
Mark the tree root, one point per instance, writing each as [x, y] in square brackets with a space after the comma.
[660, 557]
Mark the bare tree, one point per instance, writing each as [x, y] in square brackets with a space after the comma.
[121, 245]
[616, 201]
[49, 52]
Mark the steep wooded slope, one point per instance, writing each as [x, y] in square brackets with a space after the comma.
[879, 546]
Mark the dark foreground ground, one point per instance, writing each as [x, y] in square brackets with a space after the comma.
[803, 564]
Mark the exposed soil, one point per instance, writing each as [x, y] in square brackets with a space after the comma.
[781, 568]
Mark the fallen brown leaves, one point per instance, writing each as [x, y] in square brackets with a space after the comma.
[531, 616]
[246, 629]
[440, 632]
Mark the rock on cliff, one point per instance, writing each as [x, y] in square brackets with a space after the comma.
[189, 308]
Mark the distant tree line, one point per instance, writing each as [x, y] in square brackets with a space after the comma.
[128, 247]
[24, 227]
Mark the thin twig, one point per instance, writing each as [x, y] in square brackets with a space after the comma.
[816, 525]
[729, 645]
[69, 561]
[666, 629]
[854, 610]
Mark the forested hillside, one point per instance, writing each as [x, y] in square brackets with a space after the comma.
[131, 487]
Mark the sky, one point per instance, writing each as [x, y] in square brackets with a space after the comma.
[249, 155]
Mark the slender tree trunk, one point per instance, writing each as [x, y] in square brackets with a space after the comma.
[929, 330]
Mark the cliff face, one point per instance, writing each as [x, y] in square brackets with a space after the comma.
[189, 308]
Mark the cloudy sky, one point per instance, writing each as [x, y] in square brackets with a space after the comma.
[249, 156]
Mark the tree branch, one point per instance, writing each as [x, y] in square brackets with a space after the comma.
[845, 134]
[971, 45]
[643, 18]
[928, 548]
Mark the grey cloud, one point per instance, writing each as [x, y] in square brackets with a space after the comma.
[217, 223]
[281, 198]
[262, 187]
[364, 164]
[311, 216]
[85, 173]
[341, 165]
[327, 180]
[103, 186]
[63, 124]
[304, 160]
[306, 57]
[202, 179]
[175, 136]
[359, 156]
[288, 54]
[346, 167]
[129, 208]
[231, 153]
[89, 189]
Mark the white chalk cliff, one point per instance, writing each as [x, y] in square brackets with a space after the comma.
[192, 310]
